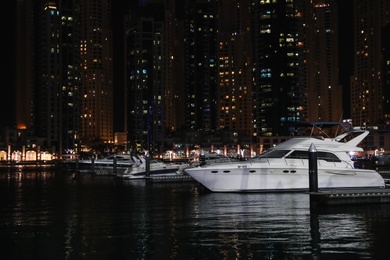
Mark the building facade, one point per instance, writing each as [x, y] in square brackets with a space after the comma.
[200, 65]
[96, 71]
[64, 78]
[196, 71]
[367, 87]
[234, 99]
[324, 90]
[280, 55]
[145, 92]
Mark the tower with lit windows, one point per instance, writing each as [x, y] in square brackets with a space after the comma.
[280, 53]
[65, 53]
[324, 92]
[145, 90]
[96, 71]
[386, 73]
[70, 76]
[234, 100]
[48, 97]
[200, 59]
[57, 82]
[367, 86]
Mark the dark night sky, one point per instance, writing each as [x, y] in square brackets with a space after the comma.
[8, 68]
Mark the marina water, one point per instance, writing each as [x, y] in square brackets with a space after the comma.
[51, 215]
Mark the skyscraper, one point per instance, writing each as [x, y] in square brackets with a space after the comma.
[234, 97]
[295, 64]
[239, 65]
[49, 71]
[370, 17]
[96, 71]
[56, 88]
[280, 56]
[145, 81]
[324, 92]
[200, 61]
[170, 74]
[71, 75]
[64, 51]
[386, 73]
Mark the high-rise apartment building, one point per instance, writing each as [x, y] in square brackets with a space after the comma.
[96, 71]
[200, 64]
[172, 88]
[71, 75]
[57, 70]
[234, 99]
[280, 64]
[295, 64]
[49, 72]
[324, 92]
[145, 90]
[386, 73]
[64, 53]
[154, 109]
[239, 65]
[367, 93]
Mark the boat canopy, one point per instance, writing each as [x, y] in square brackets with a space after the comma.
[320, 128]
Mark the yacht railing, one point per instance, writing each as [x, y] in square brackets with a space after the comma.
[223, 159]
[305, 161]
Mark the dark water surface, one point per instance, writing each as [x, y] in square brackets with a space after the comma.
[47, 215]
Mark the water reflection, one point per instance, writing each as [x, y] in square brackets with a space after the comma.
[52, 216]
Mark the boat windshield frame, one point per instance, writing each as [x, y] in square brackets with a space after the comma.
[274, 154]
[298, 154]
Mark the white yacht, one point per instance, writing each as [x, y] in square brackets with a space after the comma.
[156, 168]
[121, 160]
[285, 167]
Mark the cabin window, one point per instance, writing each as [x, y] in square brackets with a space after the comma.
[329, 157]
[274, 154]
[298, 155]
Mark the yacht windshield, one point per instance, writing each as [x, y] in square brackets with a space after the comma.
[289, 154]
[274, 154]
[329, 157]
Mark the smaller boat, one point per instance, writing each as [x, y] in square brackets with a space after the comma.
[156, 168]
[120, 161]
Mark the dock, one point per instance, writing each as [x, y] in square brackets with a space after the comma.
[336, 196]
[170, 178]
[350, 197]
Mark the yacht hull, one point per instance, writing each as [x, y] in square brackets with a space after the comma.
[247, 179]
